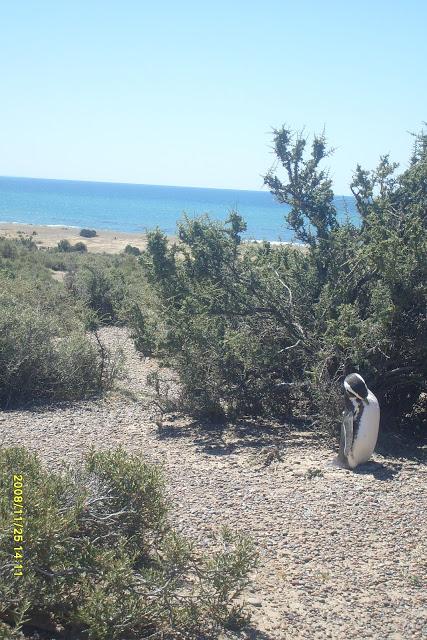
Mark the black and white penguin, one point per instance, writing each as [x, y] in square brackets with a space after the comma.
[361, 420]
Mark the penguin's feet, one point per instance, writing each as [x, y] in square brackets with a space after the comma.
[339, 463]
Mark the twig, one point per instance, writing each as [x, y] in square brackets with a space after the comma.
[284, 285]
[291, 346]
[102, 351]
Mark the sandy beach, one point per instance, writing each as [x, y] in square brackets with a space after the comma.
[106, 240]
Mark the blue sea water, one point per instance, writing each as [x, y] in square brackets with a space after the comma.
[138, 207]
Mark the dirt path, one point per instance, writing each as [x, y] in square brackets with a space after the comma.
[342, 554]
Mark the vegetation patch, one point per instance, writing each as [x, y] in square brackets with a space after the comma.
[45, 350]
[261, 329]
[131, 250]
[100, 560]
[88, 233]
[65, 246]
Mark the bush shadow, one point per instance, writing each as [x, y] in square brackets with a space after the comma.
[252, 633]
[222, 438]
[405, 447]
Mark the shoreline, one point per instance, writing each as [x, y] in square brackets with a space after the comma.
[47, 236]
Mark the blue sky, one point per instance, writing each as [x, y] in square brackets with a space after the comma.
[186, 93]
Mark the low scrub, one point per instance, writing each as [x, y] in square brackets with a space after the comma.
[88, 233]
[45, 350]
[65, 246]
[110, 286]
[100, 560]
[41, 360]
[131, 250]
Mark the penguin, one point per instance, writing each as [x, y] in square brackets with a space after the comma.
[361, 420]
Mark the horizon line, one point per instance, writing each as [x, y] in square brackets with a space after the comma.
[135, 184]
[145, 184]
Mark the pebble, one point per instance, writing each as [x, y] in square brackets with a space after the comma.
[342, 555]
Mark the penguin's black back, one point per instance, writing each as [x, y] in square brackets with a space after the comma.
[354, 382]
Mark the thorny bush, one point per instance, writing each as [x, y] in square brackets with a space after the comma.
[257, 328]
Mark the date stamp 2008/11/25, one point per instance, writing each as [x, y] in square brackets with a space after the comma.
[18, 524]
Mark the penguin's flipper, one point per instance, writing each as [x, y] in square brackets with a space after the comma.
[347, 431]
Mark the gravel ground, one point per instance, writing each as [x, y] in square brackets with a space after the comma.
[342, 554]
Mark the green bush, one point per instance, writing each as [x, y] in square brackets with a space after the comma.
[262, 329]
[369, 309]
[8, 249]
[131, 250]
[100, 560]
[43, 359]
[99, 287]
[80, 246]
[111, 286]
[222, 319]
[64, 246]
[45, 352]
[88, 233]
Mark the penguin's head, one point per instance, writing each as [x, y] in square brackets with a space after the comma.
[355, 387]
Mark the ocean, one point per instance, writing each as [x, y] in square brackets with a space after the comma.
[139, 207]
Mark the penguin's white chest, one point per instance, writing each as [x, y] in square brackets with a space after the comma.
[366, 435]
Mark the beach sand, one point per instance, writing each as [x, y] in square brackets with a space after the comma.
[46, 236]
[105, 241]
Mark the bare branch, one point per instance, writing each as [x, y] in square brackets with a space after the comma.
[290, 347]
[284, 285]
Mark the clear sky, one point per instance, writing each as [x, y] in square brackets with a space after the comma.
[186, 93]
